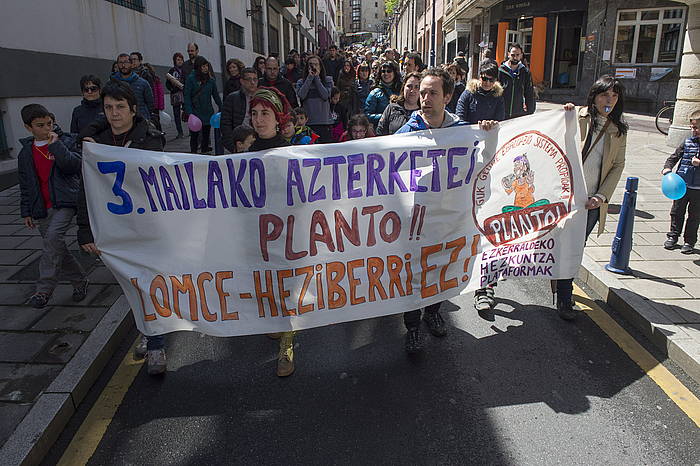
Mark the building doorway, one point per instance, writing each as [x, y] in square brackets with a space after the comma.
[566, 55]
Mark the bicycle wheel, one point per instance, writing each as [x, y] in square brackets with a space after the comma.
[664, 119]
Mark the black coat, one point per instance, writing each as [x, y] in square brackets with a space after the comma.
[84, 114]
[393, 118]
[232, 115]
[517, 90]
[142, 136]
[64, 180]
[232, 85]
[284, 86]
[452, 106]
[475, 104]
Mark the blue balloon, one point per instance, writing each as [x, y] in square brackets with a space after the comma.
[215, 120]
[673, 186]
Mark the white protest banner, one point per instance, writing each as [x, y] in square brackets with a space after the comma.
[305, 236]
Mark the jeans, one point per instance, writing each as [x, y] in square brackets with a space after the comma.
[205, 139]
[177, 116]
[55, 257]
[155, 342]
[691, 202]
[565, 287]
[411, 319]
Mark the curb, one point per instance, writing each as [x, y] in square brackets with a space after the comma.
[642, 313]
[52, 410]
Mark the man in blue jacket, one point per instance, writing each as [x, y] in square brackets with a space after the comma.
[142, 90]
[436, 88]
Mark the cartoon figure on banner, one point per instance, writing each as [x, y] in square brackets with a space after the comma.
[522, 182]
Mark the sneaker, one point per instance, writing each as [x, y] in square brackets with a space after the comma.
[156, 361]
[141, 348]
[566, 310]
[285, 359]
[414, 340]
[484, 299]
[670, 243]
[39, 300]
[80, 291]
[687, 248]
[435, 323]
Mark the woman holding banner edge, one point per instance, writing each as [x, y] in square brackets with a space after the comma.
[604, 141]
[269, 111]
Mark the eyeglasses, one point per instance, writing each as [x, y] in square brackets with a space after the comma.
[387, 70]
[91, 89]
[488, 79]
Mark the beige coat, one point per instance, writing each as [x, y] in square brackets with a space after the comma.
[613, 161]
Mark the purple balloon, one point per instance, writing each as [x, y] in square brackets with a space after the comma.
[194, 123]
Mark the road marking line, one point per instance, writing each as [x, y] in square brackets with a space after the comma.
[93, 428]
[674, 389]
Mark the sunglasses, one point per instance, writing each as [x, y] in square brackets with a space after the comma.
[386, 70]
[488, 79]
[91, 89]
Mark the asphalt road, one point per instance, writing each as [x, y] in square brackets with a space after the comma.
[525, 388]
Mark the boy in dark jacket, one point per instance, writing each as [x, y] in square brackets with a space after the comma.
[49, 178]
[687, 156]
[123, 127]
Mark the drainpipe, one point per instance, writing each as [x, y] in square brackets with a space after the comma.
[432, 38]
[222, 42]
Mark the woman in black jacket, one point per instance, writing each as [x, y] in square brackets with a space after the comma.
[363, 84]
[483, 98]
[175, 83]
[91, 105]
[233, 68]
[399, 111]
[122, 127]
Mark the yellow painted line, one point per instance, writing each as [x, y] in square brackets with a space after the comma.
[674, 389]
[93, 428]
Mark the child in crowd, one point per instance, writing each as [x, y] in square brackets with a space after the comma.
[49, 182]
[288, 130]
[338, 116]
[687, 156]
[300, 119]
[243, 138]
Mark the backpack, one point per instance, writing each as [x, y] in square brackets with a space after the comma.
[158, 93]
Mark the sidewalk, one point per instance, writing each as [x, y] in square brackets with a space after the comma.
[662, 296]
[49, 358]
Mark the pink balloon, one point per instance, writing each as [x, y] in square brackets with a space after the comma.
[194, 123]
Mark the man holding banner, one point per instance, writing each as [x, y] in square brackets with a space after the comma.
[123, 128]
[436, 88]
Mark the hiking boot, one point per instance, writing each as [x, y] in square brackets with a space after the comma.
[285, 359]
[484, 299]
[565, 309]
[80, 291]
[670, 243]
[156, 362]
[435, 323]
[687, 248]
[39, 300]
[141, 348]
[414, 340]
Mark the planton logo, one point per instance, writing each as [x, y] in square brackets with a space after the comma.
[521, 206]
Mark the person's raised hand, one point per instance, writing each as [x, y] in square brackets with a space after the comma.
[91, 248]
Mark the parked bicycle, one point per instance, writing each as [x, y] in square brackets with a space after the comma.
[664, 118]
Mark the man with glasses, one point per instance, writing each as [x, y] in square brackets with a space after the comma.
[273, 78]
[90, 107]
[235, 110]
[142, 90]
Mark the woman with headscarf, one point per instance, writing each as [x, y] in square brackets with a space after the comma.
[270, 111]
[388, 84]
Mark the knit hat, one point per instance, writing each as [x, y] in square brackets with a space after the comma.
[273, 99]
